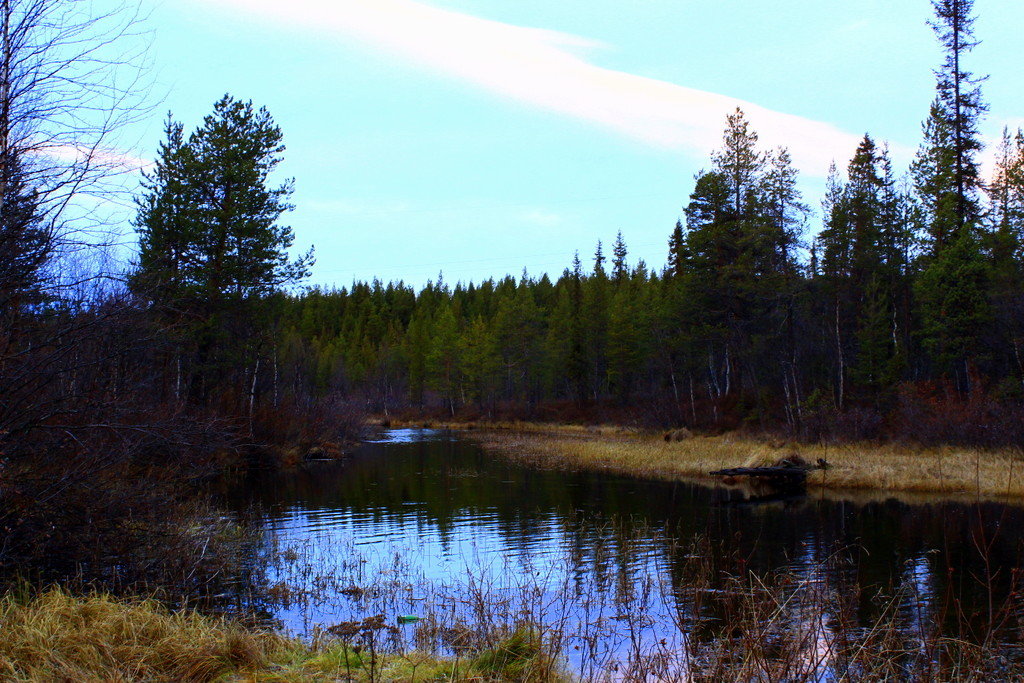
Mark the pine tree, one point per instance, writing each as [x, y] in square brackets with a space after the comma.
[208, 221]
[210, 245]
[743, 223]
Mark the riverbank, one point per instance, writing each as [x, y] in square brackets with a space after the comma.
[893, 468]
[56, 636]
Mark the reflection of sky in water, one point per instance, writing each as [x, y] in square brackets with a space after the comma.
[396, 436]
[475, 547]
[429, 517]
[474, 540]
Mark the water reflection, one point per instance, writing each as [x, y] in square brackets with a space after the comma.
[423, 509]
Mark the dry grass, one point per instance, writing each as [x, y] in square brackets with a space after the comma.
[60, 637]
[890, 467]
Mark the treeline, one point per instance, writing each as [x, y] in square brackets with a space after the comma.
[902, 315]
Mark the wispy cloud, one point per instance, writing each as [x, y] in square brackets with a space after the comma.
[990, 154]
[545, 69]
[114, 159]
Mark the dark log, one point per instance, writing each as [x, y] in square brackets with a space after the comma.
[772, 472]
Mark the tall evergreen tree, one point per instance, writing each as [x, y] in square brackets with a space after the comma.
[740, 162]
[208, 219]
[596, 295]
[210, 244]
[443, 360]
[946, 172]
[947, 181]
[577, 363]
[676, 253]
[739, 258]
[620, 268]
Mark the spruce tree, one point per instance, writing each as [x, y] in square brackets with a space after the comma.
[596, 295]
[443, 361]
[26, 243]
[577, 364]
[676, 254]
[167, 230]
[620, 269]
[949, 180]
[951, 288]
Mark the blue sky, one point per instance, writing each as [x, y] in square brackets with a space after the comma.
[479, 137]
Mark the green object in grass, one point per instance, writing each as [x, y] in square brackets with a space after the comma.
[407, 619]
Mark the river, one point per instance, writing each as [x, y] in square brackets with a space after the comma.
[425, 524]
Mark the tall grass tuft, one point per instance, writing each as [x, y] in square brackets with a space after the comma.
[58, 637]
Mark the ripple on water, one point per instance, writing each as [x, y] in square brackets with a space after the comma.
[392, 510]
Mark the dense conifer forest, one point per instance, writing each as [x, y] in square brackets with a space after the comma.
[898, 315]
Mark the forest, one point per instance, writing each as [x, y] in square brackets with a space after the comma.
[897, 314]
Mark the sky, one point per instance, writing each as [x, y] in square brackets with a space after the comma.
[481, 137]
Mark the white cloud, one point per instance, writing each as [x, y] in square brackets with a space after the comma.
[990, 154]
[540, 68]
[113, 159]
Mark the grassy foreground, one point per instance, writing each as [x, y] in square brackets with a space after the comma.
[60, 637]
[887, 467]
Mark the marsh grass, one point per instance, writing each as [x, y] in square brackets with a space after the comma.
[948, 470]
[56, 636]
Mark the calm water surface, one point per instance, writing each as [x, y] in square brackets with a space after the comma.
[420, 509]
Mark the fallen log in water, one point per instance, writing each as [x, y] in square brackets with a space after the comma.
[784, 474]
[781, 472]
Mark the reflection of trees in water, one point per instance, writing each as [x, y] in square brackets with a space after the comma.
[614, 533]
